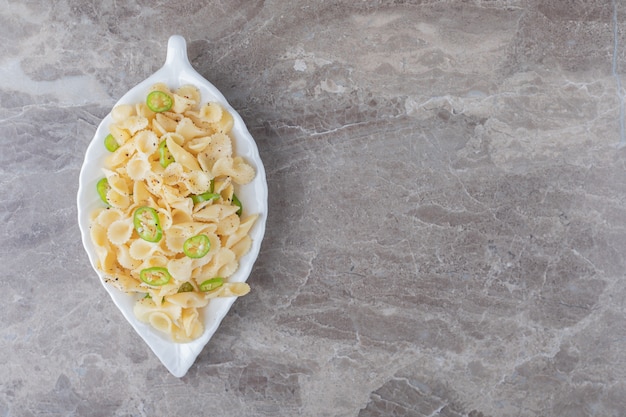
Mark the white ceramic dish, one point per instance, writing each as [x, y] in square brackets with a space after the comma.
[177, 71]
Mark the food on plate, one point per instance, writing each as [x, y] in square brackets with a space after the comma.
[171, 228]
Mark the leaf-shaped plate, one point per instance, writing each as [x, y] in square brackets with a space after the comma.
[177, 71]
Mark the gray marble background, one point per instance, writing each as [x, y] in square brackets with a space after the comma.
[447, 227]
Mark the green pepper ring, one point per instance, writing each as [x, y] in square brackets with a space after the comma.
[211, 284]
[165, 156]
[103, 188]
[149, 229]
[110, 143]
[158, 101]
[197, 246]
[208, 196]
[155, 276]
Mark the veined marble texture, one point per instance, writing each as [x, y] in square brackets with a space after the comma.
[447, 222]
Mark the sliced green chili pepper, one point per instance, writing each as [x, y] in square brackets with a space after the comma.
[208, 196]
[186, 287]
[103, 188]
[165, 157]
[156, 276]
[147, 224]
[158, 101]
[197, 246]
[238, 204]
[110, 143]
[211, 284]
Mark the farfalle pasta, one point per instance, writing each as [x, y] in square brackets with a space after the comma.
[171, 226]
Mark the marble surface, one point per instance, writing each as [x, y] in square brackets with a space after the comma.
[447, 226]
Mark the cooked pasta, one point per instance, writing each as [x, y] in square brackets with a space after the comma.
[172, 230]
